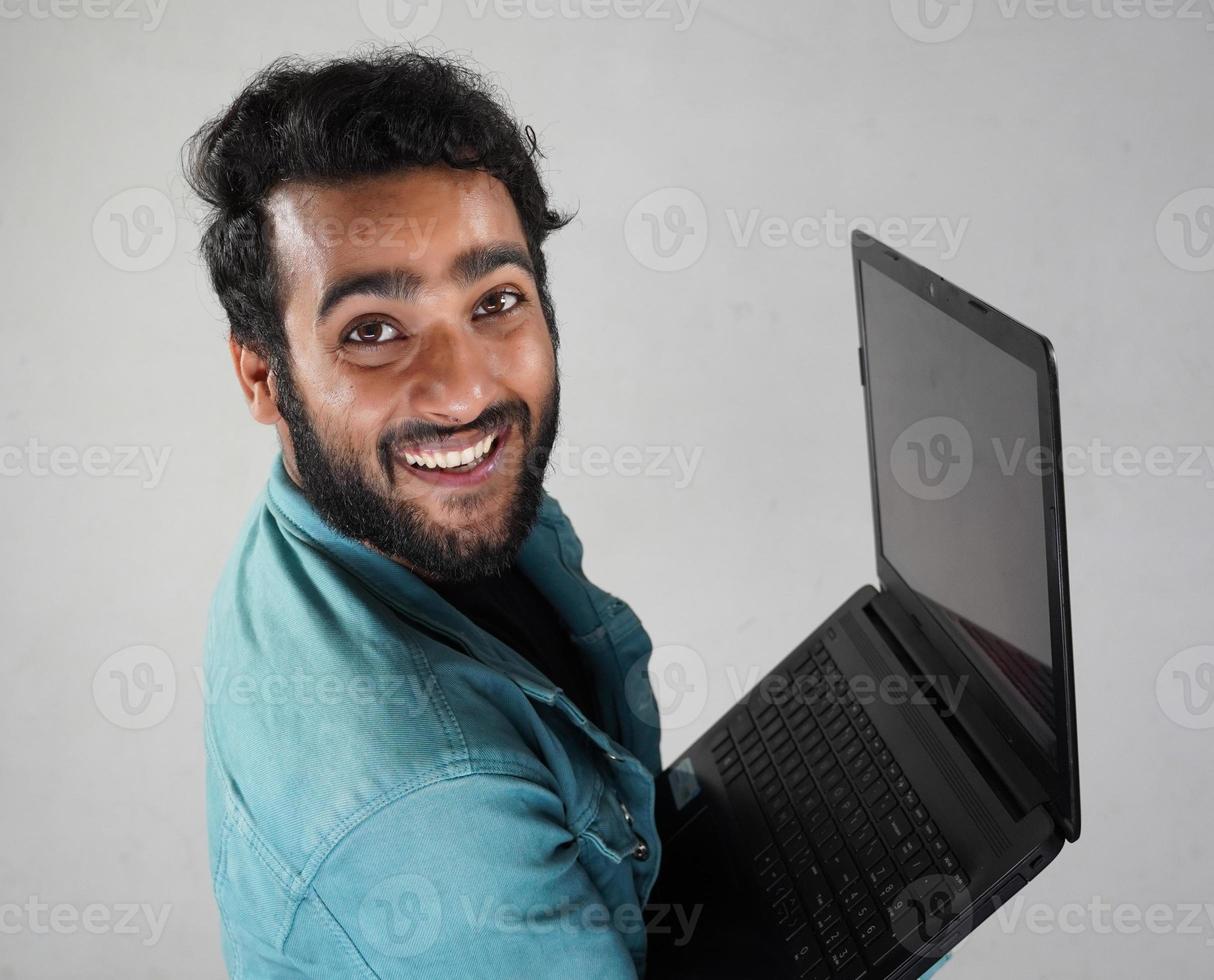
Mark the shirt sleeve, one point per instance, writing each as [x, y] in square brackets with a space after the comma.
[471, 876]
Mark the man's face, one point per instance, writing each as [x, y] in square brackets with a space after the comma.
[421, 400]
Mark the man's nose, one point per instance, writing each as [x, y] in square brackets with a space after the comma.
[451, 378]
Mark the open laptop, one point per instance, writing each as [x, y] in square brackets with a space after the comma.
[913, 763]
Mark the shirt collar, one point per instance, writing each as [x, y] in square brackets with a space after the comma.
[540, 559]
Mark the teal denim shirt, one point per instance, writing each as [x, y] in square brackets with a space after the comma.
[392, 792]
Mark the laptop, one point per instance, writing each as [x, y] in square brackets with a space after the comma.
[912, 764]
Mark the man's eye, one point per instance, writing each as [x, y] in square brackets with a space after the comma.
[372, 332]
[496, 302]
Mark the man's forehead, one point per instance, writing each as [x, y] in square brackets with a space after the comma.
[421, 216]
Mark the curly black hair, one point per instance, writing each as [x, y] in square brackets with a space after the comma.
[338, 119]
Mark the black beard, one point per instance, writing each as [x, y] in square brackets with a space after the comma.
[335, 482]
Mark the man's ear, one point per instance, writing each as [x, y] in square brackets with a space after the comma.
[253, 373]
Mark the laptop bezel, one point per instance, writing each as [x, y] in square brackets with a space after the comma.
[1058, 772]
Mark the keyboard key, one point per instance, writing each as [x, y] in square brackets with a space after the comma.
[830, 846]
[882, 869]
[894, 827]
[867, 776]
[841, 954]
[834, 934]
[867, 834]
[854, 823]
[840, 869]
[800, 861]
[814, 889]
[870, 930]
[885, 803]
[852, 894]
[887, 889]
[917, 865]
[907, 849]
[804, 950]
[854, 748]
[862, 911]
[871, 855]
[826, 917]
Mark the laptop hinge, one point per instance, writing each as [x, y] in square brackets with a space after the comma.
[1001, 767]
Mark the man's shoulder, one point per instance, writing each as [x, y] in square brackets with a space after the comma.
[323, 701]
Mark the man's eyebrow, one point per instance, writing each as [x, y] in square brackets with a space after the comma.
[402, 285]
[480, 260]
[392, 284]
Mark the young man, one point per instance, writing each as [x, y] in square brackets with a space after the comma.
[431, 741]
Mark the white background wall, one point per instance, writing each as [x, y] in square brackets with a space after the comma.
[1056, 143]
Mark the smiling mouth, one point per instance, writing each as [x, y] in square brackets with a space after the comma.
[455, 463]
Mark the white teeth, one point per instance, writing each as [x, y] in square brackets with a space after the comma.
[452, 458]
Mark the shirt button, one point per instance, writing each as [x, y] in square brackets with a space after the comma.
[641, 851]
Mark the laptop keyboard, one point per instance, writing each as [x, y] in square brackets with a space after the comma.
[843, 846]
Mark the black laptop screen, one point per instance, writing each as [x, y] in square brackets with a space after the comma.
[961, 510]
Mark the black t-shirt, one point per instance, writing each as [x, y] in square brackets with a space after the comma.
[512, 609]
